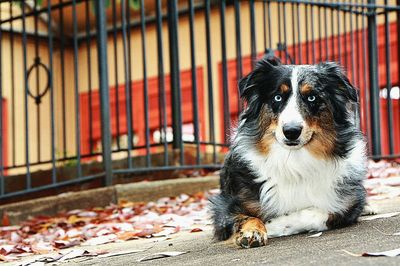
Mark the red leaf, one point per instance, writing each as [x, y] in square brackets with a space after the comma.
[195, 230]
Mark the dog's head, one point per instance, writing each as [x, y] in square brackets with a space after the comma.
[299, 106]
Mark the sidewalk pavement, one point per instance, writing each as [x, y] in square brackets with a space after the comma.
[327, 249]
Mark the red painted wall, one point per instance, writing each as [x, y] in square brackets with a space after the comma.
[138, 112]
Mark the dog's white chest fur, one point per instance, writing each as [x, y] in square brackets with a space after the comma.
[295, 180]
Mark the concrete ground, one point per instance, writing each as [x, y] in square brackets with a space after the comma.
[366, 236]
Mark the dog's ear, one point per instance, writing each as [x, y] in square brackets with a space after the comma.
[248, 84]
[336, 75]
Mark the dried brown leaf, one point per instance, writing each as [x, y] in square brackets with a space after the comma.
[161, 255]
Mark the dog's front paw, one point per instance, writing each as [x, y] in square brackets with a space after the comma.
[251, 234]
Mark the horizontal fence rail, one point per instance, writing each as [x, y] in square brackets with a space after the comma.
[105, 92]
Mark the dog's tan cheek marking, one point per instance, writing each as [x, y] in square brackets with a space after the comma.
[322, 143]
[268, 126]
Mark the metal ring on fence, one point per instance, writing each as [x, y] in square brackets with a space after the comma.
[37, 64]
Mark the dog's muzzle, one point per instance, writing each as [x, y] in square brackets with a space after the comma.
[292, 132]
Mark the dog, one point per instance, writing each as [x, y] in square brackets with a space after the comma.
[298, 159]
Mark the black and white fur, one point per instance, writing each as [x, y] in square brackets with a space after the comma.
[291, 186]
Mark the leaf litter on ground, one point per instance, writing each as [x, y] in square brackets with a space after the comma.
[115, 223]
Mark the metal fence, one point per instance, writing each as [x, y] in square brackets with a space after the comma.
[106, 91]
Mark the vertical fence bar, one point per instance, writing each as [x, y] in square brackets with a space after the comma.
[145, 86]
[358, 43]
[299, 45]
[63, 92]
[287, 59]
[127, 71]
[320, 33]
[12, 89]
[210, 80]
[225, 87]
[51, 87]
[388, 82]
[353, 50]
[314, 48]
[346, 59]
[115, 33]
[89, 65]
[130, 129]
[175, 79]
[373, 80]
[326, 34]
[339, 38]
[24, 46]
[101, 23]
[253, 34]
[76, 90]
[269, 25]
[332, 35]
[295, 60]
[264, 23]
[366, 80]
[38, 105]
[128, 29]
[307, 61]
[194, 81]
[161, 81]
[239, 71]
[280, 45]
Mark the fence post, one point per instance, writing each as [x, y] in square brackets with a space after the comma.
[373, 81]
[101, 23]
[175, 81]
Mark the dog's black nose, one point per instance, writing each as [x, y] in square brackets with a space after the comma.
[292, 131]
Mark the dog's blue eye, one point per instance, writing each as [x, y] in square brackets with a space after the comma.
[278, 98]
[311, 98]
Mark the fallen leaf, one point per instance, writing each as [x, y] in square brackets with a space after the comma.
[195, 230]
[166, 232]
[73, 254]
[315, 235]
[66, 243]
[7, 258]
[379, 216]
[10, 228]
[127, 236]
[161, 255]
[100, 240]
[388, 253]
[112, 254]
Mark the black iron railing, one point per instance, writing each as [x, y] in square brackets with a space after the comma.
[94, 92]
